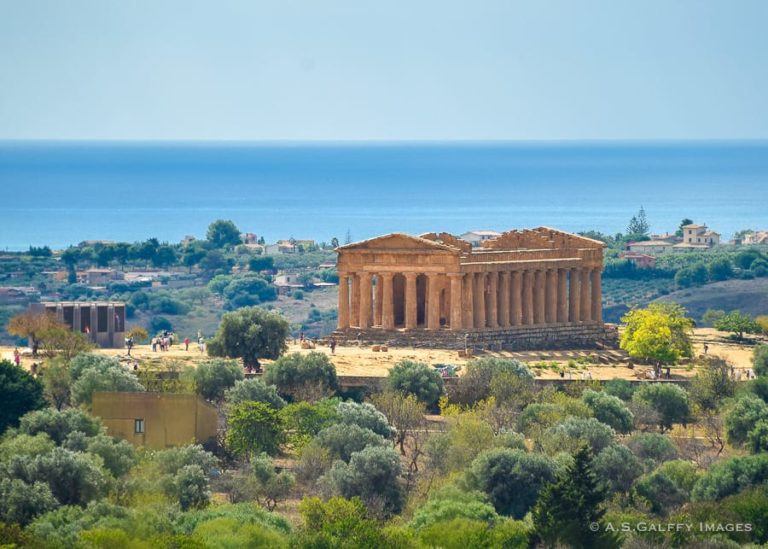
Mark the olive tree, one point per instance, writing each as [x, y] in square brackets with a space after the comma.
[250, 333]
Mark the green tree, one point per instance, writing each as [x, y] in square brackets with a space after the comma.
[405, 412]
[59, 424]
[254, 427]
[417, 379]
[261, 263]
[92, 380]
[712, 384]
[683, 223]
[75, 478]
[617, 467]
[669, 401]
[638, 225]
[743, 415]
[118, 456]
[22, 502]
[652, 448]
[373, 475]
[738, 323]
[303, 420]
[190, 488]
[297, 376]
[477, 383]
[338, 522]
[720, 269]
[21, 393]
[341, 441]
[731, 476]
[512, 479]
[247, 290]
[660, 333]
[250, 333]
[223, 234]
[609, 410]
[262, 483]
[760, 360]
[575, 432]
[449, 503]
[253, 389]
[30, 325]
[364, 415]
[213, 377]
[567, 509]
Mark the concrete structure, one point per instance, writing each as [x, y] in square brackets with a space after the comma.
[103, 321]
[522, 289]
[156, 420]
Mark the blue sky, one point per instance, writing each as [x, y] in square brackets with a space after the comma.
[396, 70]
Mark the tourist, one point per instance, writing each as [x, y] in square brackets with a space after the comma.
[17, 356]
[706, 348]
[201, 344]
[333, 345]
[33, 369]
[186, 344]
[154, 344]
[129, 344]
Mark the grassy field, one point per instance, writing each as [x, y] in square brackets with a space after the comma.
[748, 296]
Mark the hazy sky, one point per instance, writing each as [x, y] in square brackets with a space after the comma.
[397, 69]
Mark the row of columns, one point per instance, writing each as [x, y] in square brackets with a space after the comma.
[497, 299]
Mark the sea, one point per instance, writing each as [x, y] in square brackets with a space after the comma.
[61, 193]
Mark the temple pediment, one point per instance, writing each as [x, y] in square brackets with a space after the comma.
[397, 241]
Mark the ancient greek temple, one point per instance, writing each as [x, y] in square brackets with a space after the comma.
[523, 283]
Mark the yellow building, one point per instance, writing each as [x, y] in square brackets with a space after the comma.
[156, 420]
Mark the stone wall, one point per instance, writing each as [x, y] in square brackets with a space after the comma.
[519, 338]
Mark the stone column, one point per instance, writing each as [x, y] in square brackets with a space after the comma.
[528, 301]
[411, 304]
[504, 299]
[456, 301]
[597, 298]
[562, 296]
[377, 309]
[388, 301]
[586, 296]
[516, 298]
[550, 291]
[492, 301]
[60, 312]
[539, 305]
[468, 288]
[77, 319]
[343, 301]
[574, 294]
[94, 321]
[111, 324]
[479, 300]
[355, 312]
[366, 290]
[433, 301]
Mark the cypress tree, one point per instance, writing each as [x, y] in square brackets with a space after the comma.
[569, 510]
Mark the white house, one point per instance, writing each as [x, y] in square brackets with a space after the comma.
[476, 238]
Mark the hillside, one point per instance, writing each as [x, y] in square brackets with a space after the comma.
[749, 296]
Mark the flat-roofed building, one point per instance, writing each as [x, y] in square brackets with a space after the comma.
[156, 420]
[102, 321]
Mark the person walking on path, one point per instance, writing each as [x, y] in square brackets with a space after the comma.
[17, 356]
[186, 344]
[333, 345]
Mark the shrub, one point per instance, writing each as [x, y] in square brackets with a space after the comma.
[22, 502]
[303, 420]
[476, 383]
[618, 467]
[760, 360]
[669, 401]
[731, 476]
[575, 432]
[512, 479]
[214, 377]
[21, 393]
[254, 427]
[253, 389]
[74, 478]
[609, 410]
[745, 413]
[364, 415]
[652, 448]
[417, 379]
[449, 503]
[58, 425]
[620, 388]
[341, 441]
[373, 475]
[299, 376]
